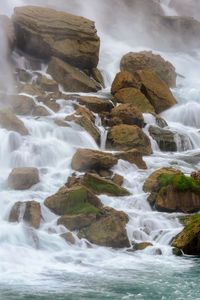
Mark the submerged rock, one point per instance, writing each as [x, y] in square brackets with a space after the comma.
[23, 178]
[68, 37]
[87, 159]
[126, 137]
[29, 212]
[146, 60]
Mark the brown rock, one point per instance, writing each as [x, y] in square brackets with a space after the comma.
[46, 84]
[128, 114]
[146, 60]
[98, 77]
[87, 159]
[29, 212]
[155, 90]
[134, 157]
[96, 104]
[68, 237]
[126, 137]
[136, 98]
[196, 176]
[142, 246]
[118, 179]
[68, 37]
[76, 222]
[9, 121]
[123, 80]
[22, 105]
[40, 111]
[23, 178]
[165, 139]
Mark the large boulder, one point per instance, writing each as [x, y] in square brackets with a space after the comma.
[108, 230]
[72, 79]
[84, 118]
[135, 97]
[29, 212]
[22, 105]
[126, 137]
[127, 114]
[133, 156]
[123, 80]
[95, 104]
[11, 122]
[87, 159]
[188, 240]
[75, 200]
[165, 139]
[78, 221]
[146, 60]
[99, 185]
[155, 90]
[46, 84]
[70, 38]
[23, 178]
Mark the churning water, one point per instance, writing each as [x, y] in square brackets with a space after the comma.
[39, 264]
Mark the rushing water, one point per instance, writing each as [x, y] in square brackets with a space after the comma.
[39, 264]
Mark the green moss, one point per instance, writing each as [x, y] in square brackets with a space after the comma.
[102, 186]
[179, 182]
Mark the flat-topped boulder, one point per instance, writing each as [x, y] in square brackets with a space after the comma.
[146, 60]
[29, 212]
[127, 114]
[95, 104]
[71, 38]
[23, 178]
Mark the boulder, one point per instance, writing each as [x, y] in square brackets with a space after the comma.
[133, 156]
[29, 212]
[164, 138]
[118, 179]
[99, 185]
[71, 38]
[84, 118]
[95, 104]
[142, 246]
[72, 79]
[123, 80]
[146, 60]
[126, 137]
[73, 201]
[23, 75]
[128, 114]
[188, 240]
[134, 97]
[11, 122]
[109, 230]
[155, 90]
[50, 100]
[87, 159]
[46, 84]
[22, 105]
[23, 178]
[151, 182]
[40, 111]
[98, 77]
[76, 222]
[7, 27]
[31, 89]
[69, 238]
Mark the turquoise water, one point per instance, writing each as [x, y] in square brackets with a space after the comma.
[152, 283]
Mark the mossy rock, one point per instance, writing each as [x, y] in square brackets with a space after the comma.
[100, 185]
[189, 239]
[76, 200]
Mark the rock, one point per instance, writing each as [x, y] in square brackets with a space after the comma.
[8, 30]
[133, 156]
[46, 84]
[136, 98]
[196, 176]
[22, 105]
[72, 79]
[128, 114]
[160, 121]
[177, 252]
[70, 38]
[155, 90]
[99, 185]
[77, 222]
[142, 246]
[118, 179]
[31, 89]
[40, 111]
[123, 80]
[87, 159]
[68, 237]
[23, 75]
[23, 178]
[50, 100]
[11, 122]
[126, 137]
[146, 60]
[164, 138]
[189, 239]
[73, 201]
[98, 77]
[151, 182]
[108, 231]
[95, 104]
[84, 118]
[29, 212]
